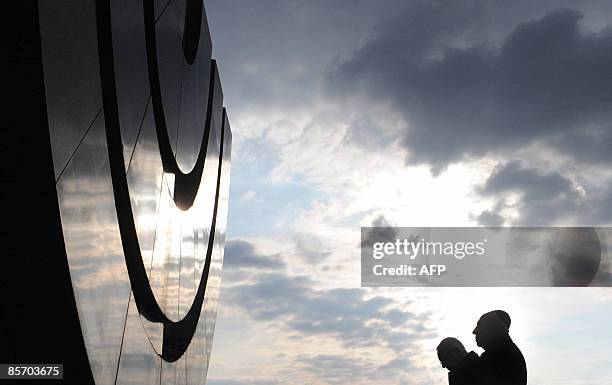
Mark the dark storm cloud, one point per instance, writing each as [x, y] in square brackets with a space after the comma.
[535, 185]
[601, 209]
[548, 79]
[593, 146]
[271, 52]
[544, 196]
[240, 254]
[490, 218]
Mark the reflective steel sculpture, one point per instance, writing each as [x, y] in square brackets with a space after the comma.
[141, 148]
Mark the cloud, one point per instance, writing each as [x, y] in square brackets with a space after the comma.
[461, 98]
[381, 229]
[349, 315]
[222, 381]
[270, 51]
[492, 217]
[240, 254]
[345, 314]
[248, 195]
[535, 185]
[541, 198]
[544, 196]
[338, 367]
[592, 146]
[338, 333]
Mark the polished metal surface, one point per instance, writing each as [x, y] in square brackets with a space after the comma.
[170, 61]
[214, 276]
[71, 73]
[129, 54]
[197, 362]
[93, 245]
[194, 97]
[138, 364]
[164, 275]
[203, 208]
[124, 339]
[145, 176]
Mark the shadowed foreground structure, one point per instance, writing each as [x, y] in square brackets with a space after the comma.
[128, 179]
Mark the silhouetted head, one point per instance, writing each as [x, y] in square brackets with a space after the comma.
[490, 326]
[450, 352]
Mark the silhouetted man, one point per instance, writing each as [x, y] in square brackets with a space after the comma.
[462, 366]
[502, 363]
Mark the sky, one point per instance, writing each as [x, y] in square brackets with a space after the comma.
[350, 113]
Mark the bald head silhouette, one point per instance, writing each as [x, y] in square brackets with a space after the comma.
[490, 326]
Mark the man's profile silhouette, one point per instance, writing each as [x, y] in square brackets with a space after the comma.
[502, 363]
[462, 366]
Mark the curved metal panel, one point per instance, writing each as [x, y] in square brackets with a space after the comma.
[72, 77]
[143, 191]
[95, 257]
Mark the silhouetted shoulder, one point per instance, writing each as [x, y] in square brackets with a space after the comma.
[503, 364]
[467, 372]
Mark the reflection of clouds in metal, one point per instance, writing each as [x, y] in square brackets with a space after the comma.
[177, 332]
[126, 199]
[137, 365]
[93, 246]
